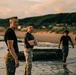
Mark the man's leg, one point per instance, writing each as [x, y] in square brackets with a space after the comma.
[65, 53]
[10, 65]
[28, 66]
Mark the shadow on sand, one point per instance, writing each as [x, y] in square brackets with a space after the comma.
[66, 71]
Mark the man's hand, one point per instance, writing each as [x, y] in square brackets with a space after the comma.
[73, 46]
[35, 42]
[16, 63]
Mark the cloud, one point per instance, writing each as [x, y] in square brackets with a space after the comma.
[62, 6]
[29, 8]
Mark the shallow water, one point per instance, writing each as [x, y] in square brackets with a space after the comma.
[42, 67]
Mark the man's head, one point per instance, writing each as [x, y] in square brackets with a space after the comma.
[13, 22]
[29, 29]
[66, 32]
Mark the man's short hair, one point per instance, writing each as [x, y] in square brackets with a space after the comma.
[66, 31]
[15, 17]
[11, 18]
[29, 27]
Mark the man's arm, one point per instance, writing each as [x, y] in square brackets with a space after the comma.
[60, 41]
[31, 42]
[71, 43]
[12, 52]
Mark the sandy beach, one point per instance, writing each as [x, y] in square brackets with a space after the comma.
[54, 67]
[43, 36]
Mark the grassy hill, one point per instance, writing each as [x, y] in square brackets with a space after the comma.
[48, 21]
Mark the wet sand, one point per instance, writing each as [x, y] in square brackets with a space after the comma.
[54, 67]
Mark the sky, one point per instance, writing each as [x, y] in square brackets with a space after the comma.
[30, 8]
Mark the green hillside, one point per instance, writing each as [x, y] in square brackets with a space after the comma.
[46, 20]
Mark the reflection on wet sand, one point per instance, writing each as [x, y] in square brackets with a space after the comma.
[54, 67]
[66, 71]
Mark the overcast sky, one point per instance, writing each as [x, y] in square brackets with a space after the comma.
[30, 8]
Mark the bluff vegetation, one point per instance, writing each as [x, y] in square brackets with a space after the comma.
[46, 20]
